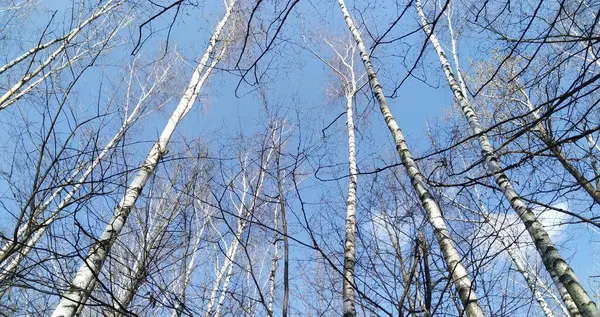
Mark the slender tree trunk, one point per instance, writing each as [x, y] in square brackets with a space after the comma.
[228, 275]
[286, 249]
[349, 309]
[349, 80]
[427, 285]
[226, 268]
[244, 214]
[281, 201]
[554, 263]
[393, 235]
[83, 284]
[592, 147]
[458, 273]
[528, 278]
[188, 267]
[520, 265]
[274, 260]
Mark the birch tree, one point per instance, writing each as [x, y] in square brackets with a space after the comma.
[345, 55]
[248, 204]
[555, 264]
[112, 203]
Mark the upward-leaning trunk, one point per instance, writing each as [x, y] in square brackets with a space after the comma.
[274, 260]
[73, 300]
[245, 214]
[522, 269]
[286, 245]
[349, 244]
[554, 263]
[188, 268]
[458, 273]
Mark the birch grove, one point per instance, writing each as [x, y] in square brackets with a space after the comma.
[84, 281]
[294, 158]
[555, 264]
[460, 277]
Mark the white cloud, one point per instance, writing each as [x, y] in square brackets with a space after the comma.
[512, 230]
[383, 225]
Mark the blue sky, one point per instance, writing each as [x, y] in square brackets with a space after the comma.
[298, 82]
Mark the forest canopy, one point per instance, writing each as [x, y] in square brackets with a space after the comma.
[299, 158]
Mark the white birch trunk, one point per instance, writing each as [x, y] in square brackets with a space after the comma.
[83, 284]
[592, 147]
[275, 259]
[244, 214]
[229, 256]
[458, 273]
[554, 263]
[349, 309]
[189, 267]
[522, 269]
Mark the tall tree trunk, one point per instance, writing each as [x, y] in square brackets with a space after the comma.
[458, 273]
[349, 81]
[274, 260]
[187, 268]
[349, 309]
[520, 265]
[554, 263]
[522, 269]
[276, 143]
[286, 247]
[84, 282]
